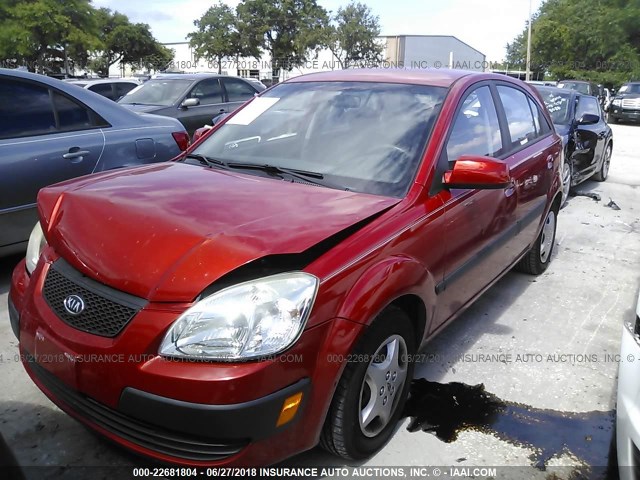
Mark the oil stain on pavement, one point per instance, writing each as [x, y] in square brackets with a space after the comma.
[447, 409]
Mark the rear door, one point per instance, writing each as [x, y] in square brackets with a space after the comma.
[479, 223]
[211, 97]
[589, 139]
[237, 91]
[45, 137]
[533, 153]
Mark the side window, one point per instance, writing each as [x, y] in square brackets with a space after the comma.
[123, 88]
[71, 116]
[237, 90]
[522, 128]
[25, 109]
[103, 89]
[587, 105]
[207, 91]
[541, 123]
[476, 130]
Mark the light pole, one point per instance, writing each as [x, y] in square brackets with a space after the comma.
[528, 74]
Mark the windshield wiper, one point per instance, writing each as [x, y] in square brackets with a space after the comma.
[304, 175]
[207, 161]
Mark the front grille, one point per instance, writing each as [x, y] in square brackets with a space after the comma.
[152, 437]
[633, 103]
[106, 311]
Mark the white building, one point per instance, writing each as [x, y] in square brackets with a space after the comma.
[433, 51]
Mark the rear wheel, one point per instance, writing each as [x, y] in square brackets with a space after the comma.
[373, 389]
[602, 174]
[538, 258]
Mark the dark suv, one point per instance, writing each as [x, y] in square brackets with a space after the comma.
[626, 104]
[194, 98]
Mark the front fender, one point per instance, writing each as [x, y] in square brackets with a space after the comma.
[384, 282]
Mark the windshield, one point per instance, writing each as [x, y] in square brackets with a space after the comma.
[630, 88]
[364, 137]
[558, 105]
[577, 86]
[157, 92]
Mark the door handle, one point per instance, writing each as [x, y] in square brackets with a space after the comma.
[75, 154]
[549, 162]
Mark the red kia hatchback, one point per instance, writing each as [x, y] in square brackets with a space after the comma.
[267, 291]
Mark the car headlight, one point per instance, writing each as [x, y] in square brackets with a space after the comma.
[617, 102]
[35, 246]
[246, 321]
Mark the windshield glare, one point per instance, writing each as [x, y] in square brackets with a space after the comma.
[630, 88]
[364, 137]
[557, 104]
[157, 92]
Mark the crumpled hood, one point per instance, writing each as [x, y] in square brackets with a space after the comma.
[167, 231]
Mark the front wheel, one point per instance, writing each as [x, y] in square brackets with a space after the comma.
[602, 174]
[538, 258]
[373, 389]
[611, 118]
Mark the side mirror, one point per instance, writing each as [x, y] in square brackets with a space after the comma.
[190, 102]
[471, 171]
[589, 119]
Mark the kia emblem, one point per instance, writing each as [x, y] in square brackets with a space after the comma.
[74, 304]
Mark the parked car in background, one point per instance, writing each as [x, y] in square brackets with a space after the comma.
[585, 88]
[191, 98]
[587, 139]
[257, 83]
[628, 404]
[625, 106]
[112, 88]
[52, 131]
[277, 280]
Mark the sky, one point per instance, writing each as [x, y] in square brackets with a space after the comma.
[486, 26]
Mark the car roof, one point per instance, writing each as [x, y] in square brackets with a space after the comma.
[106, 80]
[574, 81]
[439, 77]
[191, 76]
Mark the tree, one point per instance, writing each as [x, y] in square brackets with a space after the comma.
[584, 39]
[46, 31]
[353, 35]
[288, 29]
[217, 36]
[127, 43]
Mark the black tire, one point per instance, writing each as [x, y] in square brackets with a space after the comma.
[611, 119]
[602, 174]
[536, 260]
[342, 433]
